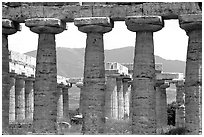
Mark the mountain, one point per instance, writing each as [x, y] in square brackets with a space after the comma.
[70, 60]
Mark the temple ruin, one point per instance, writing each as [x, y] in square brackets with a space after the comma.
[144, 89]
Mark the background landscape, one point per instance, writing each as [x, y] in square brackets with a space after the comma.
[70, 63]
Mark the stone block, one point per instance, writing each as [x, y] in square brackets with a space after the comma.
[102, 10]
[103, 21]
[134, 10]
[51, 22]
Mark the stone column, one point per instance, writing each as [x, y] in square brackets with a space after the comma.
[65, 93]
[29, 99]
[126, 96]
[45, 96]
[94, 73]
[161, 105]
[20, 98]
[12, 82]
[180, 100]
[111, 102]
[192, 24]
[120, 98]
[8, 28]
[80, 85]
[143, 93]
[60, 102]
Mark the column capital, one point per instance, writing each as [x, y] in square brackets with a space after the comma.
[79, 84]
[9, 27]
[30, 78]
[60, 85]
[190, 22]
[46, 25]
[179, 83]
[12, 74]
[94, 24]
[20, 76]
[144, 23]
[162, 84]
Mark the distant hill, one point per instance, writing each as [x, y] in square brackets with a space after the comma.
[70, 61]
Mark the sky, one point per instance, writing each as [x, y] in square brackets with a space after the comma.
[169, 43]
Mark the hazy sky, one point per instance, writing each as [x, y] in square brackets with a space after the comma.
[169, 43]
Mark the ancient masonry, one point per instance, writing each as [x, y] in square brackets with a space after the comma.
[147, 92]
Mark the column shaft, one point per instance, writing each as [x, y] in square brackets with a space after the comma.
[180, 111]
[120, 99]
[110, 105]
[29, 97]
[143, 92]
[193, 82]
[161, 106]
[12, 99]
[45, 99]
[94, 81]
[20, 99]
[126, 95]
[8, 28]
[65, 104]
[143, 96]
[192, 24]
[60, 104]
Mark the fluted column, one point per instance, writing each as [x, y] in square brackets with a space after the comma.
[111, 103]
[12, 82]
[126, 96]
[143, 93]
[161, 105]
[8, 28]
[60, 102]
[80, 85]
[29, 98]
[94, 73]
[65, 93]
[45, 93]
[192, 24]
[120, 98]
[20, 98]
[180, 100]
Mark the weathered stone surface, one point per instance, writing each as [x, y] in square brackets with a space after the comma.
[180, 100]
[46, 25]
[193, 78]
[117, 12]
[45, 96]
[60, 103]
[143, 106]
[126, 96]
[80, 85]
[11, 89]
[94, 24]
[161, 104]
[94, 85]
[190, 22]
[20, 98]
[120, 98]
[144, 23]
[65, 93]
[143, 92]
[94, 78]
[29, 98]
[9, 27]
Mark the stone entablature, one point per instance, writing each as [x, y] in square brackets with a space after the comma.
[169, 75]
[24, 64]
[158, 67]
[67, 11]
[115, 68]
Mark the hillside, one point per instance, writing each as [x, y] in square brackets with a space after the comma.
[70, 60]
